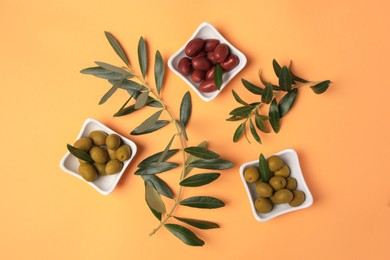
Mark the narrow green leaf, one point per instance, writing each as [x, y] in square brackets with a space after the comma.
[264, 82]
[185, 235]
[148, 123]
[238, 99]
[153, 199]
[156, 156]
[160, 186]
[216, 164]
[267, 94]
[164, 153]
[110, 92]
[155, 167]
[154, 103]
[185, 108]
[242, 111]
[117, 47]
[321, 87]
[142, 56]
[203, 202]
[125, 111]
[262, 117]
[260, 125]
[155, 213]
[182, 129]
[159, 71]
[252, 87]
[295, 77]
[141, 100]
[285, 79]
[254, 133]
[264, 169]
[201, 152]
[199, 179]
[277, 68]
[102, 73]
[114, 69]
[238, 133]
[201, 224]
[159, 124]
[274, 117]
[83, 155]
[235, 118]
[111, 75]
[287, 102]
[192, 158]
[218, 76]
[130, 85]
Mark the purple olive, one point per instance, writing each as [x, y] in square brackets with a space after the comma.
[201, 64]
[210, 73]
[193, 47]
[201, 54]
[221, 52]
[208, 86]
[230, 63]
[184, 66]
[211, 57]
[210, 45]
[197, 75]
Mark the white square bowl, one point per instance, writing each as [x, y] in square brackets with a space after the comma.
[207, 31]
[290, 158]
[103, 184]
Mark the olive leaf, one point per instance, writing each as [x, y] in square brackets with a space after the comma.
[193, 158]
[203, 202]
[242, 111]
[156, 167]
[117, 47]
[159, 71]
[321, 87]
[295, 77]
[153, 199]
[285, 79]
[110, 92]
[159, 124]
[235, 118]
[101, 72]
[128, 84]
[215, 164]
[125, 111]
[264, 82]
[83, 155]
[254, 133]
[274, 116]
[238, 133]
[267, 94]
[160, 186]
[113, 68]
[218, 76]
[260, 125]
[238, 99]
[287, 102]
[185, 108]
[265, 174]
[252, 87]
[166, 150]
[201, 224]
[201, 152]
[182, 129]
[142, 56]
[141, 100]
[199, 179]
[277, 68]
[148, 123]
[184, 234]
[158, 215]
[155, 157]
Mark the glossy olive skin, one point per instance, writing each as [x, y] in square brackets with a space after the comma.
[184, 66]
[221, 52]
[282, 196]
[284, 171]
[111, 153]
[274, 163]
[210, 73]
[113, 141]
[197, 76]
[277, 182]
[193, 47]
[211, 58]
[291, 183]
[251, 174]
[84, 143]
[208, 86]
[230, 63]
[210, 44]
[201, 54]
[264, 189]
[99, 154]
[263, 205]
[298, 198]
[199, 63]
[113, 166]
[100, 168]
[98, 137]
[123, 153]
[87, 171]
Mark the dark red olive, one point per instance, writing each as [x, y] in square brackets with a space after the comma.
[193, 47]
[230, 63]
[208, 86]
[221, 52]
[210, 73]
[211, 57]
[210, 45]
[201, 54]
[201, 64]
[197, 75]
[184, 66]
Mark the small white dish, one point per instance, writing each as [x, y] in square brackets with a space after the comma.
[290, 158]
[207, 31]
[103, 184]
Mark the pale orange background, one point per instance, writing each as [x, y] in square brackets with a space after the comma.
[341, 136]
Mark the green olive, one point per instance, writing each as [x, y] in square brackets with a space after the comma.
[282, 196]
[251, 174]
[264, 189]
[123, 153]
[101, 168]
[284, 171]
[274, 163]
[98, 154]
[298, 198]
[98, 137]
[277, 182]
[113, 141]
[291, 183]
[87, 171]
[111, 153]
[84, 143]
[263, 205]
[113, 166]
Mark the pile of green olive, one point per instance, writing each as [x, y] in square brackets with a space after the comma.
[280, 189]
[107, 152]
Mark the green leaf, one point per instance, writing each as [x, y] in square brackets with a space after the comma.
[287, 101]
[153, 199]
[260, 125]
[113, 68]
[148, 123]
[141, 100]
[156, 156]
[117, 47]
[159, 124]
[285, 79]
[164, 153]
[252, 87]
[242, 111]
[83, 155]
[192, 158]
[274, 117]
[102, 73]
[321, 87]
[160, 186]
[130, 85]
[201, 224]
[267, 94]
[185, 108]
[265, 174]
[155, 213]
[199, 179]
[159, 71]
[125, 111]
[142, 56]
[216, 164]
[203, 202]
[295, 77]
[235, 118]
[201, 152]
[218, 76]
[110, 92]
[264, 82]
[155, 167]
[182, 129]
[254, 133]
[238, 133]
[277, 68]
[185, 235]
[238, 99]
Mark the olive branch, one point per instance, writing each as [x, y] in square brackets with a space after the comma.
[143, 94]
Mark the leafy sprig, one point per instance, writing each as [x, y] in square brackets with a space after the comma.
[156, 189]
[278, 99]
